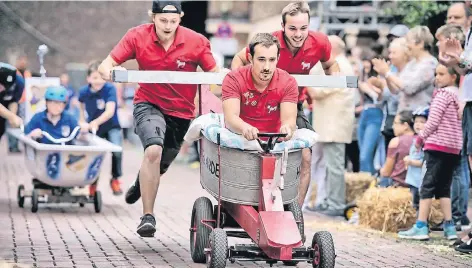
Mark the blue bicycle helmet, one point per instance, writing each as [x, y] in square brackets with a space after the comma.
[56, 93]
[422, 111]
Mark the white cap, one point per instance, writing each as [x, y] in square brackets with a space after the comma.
[399, 30]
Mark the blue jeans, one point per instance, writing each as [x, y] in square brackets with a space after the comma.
[415, 192]
[116, 137]
[460, 190]
[368, 134]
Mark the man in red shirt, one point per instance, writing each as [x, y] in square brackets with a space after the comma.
[300, 50]
[162, 112]
[260, 97]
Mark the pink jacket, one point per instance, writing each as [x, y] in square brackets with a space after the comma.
[443, 130]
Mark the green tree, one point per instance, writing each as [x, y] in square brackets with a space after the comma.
[413, 13]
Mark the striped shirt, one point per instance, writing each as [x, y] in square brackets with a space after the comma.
[443, 131]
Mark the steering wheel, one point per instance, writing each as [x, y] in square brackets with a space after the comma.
[62, 140]
[269, 145]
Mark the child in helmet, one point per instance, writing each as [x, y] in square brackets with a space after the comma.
[53, 120]
[99, 101]
[414, 161]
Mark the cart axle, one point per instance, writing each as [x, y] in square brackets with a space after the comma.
[251, 252]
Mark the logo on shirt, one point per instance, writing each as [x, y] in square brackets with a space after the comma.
[100, 104]
[271, 108]
[65, 131]
[305, 65]
[249, 96]
[180, 64]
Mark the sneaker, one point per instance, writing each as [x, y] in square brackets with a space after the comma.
[450, 232]
[317, 208]
[92, 189]
[116, 187]
[465, 247]
[134, 192]
[465, 223]
[195, 165]
[440, 227]
[415, 233]
[147, 228]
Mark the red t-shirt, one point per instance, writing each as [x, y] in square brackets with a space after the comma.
[260, 109]
[189, 50]
[315, 48]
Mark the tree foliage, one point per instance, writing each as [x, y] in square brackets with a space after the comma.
[413, 13]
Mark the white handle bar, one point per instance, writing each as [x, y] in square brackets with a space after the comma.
[62, 140]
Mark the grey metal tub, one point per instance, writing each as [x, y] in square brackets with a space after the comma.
[240, 174]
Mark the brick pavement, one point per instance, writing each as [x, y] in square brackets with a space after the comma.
[69, 236]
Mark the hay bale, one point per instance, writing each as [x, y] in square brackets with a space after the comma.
[386, 209]
[357, 184]
[436, 216]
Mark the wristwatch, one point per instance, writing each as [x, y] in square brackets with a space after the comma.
[465, 62]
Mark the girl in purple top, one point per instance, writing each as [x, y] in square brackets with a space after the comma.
[393, 172]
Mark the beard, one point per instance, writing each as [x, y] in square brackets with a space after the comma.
[266, 76]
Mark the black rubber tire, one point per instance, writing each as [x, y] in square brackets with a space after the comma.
[97, 202]
[346, 211]
[19, 196]
[219, 249]
[34, 201]
[327, 255]
[202, 210]
[81, 204]
[290, 263]
[298, 215]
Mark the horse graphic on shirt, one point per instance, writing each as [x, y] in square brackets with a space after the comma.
[271, 108]
[180, 64]
[305, 65]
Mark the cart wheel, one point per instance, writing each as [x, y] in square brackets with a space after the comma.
[34, 201]
[349, 211]
[290, 263]
[19, 196]
[216, 258]
[199, 233]
[97, 201]
[324, 254]
[298, 215]
[81, 204]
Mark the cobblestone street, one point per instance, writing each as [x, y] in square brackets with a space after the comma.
[70, 236]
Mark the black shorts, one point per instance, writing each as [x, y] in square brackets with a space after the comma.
[155, 128]
[438, 177]
[467, 128]
[302, 120]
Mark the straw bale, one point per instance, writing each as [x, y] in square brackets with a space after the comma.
[386, 209]
[436, 216]
[357, 184]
